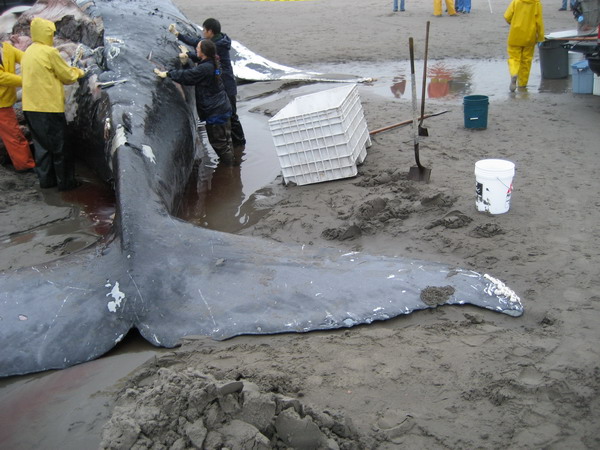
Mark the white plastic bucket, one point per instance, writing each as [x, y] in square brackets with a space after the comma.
[493, 185]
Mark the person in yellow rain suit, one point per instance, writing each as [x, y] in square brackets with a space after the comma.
[526, 28]
[45, 73]
[437, 8]
[10, 131]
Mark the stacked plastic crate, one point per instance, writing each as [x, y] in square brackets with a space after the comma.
[321, 136]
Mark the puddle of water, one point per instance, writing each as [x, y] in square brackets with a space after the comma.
[447, 80]
[67, 408]
[82, 217]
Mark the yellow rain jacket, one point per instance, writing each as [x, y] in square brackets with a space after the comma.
[9, 80]
[526, 23]
[44, 71]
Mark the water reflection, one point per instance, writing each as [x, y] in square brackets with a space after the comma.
[448, 80]
[80, 218]
[214, 197]
[399, 86]
[558, 86]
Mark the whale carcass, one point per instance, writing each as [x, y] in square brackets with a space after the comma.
[166, 277]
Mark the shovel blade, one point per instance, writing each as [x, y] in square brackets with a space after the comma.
[417, 173]
[423, 131]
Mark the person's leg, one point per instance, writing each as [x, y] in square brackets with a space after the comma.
[219, 136]
[14, 140]
[563, 7]
[395, 6]
[459, 5]
[402, 5]
[237, 132]
[44, 167]
[525, 66]
[514, 63]
[437, 7]
[63, 163]
[450, 7]
[467, 6]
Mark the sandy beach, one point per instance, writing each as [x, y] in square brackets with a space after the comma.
[454, 377]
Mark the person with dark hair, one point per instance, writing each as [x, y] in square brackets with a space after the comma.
[45, 73]
[212, 102]
[212, 30]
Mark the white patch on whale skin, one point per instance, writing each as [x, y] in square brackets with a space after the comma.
[148, 153]
[500, 290]
[118, 297]
[118, 140]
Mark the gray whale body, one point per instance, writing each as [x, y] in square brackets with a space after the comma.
[166, 277]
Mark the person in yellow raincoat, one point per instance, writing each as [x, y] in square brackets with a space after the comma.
[526, 28]
[10, 132]
[45, 73]
[437, 8]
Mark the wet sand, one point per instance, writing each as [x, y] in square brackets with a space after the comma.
[453, 377]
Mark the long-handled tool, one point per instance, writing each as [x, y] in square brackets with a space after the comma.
[406, 122]
[422, 130]
[418, 172]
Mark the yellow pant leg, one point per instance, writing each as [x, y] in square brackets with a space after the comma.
[514, 59]
[450, 7]
[437, 7]
[525, 66]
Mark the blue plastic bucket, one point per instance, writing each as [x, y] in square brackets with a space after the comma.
[476, 111]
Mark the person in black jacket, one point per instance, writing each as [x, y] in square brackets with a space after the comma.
[212, 102]
[212, 30]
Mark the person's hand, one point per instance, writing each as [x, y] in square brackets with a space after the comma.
[84, 74]
[183, 58]
[173, 29]
[160, 73]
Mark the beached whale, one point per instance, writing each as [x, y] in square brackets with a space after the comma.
[166, 277]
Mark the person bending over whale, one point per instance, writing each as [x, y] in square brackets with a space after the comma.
[211, 29]
[212, 101]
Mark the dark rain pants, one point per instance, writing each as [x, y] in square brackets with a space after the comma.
[219, 136]
[237, 132]
[53, 165]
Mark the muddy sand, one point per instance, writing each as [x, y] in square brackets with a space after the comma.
[451, 377]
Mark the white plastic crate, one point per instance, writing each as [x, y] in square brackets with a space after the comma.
[322, 136]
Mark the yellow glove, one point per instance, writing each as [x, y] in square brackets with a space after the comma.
[160, 73]
[183, 58]
[173, 29]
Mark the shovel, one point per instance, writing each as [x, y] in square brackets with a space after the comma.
[422, 130]
[418, 172]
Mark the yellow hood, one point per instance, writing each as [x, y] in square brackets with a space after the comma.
[42, 31]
